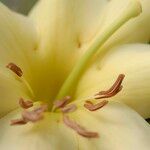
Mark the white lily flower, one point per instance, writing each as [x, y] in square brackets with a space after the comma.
[59, 63]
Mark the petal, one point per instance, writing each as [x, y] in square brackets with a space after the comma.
[131, 60]
[11, 89]
[119, 128]
[48, 134]
[136, 30]
[18, 40]
[59, 26]
[62, 24]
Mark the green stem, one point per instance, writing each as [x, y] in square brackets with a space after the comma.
[72, 80]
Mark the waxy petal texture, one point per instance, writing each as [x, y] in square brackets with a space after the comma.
[136, 30]
[63, 27]
[132, 60]
[11, 89]
[18, 42]
[17, 45]
[18, 39]
[118, 127]
[65, 34]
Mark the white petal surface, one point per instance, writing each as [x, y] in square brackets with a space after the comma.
[136, 30]
[61, 26]
[131, 60]
[18, 40]
[118, 126]
[11, 90]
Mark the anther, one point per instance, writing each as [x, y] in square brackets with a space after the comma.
[91, 107]
[79, 129]
[25, 104]
[35, 115]
[13, 67]
[116, 87]
[62, 103]
[30, 116]
[18, 122]
[69, 108]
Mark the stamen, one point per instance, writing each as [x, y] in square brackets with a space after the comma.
[35, 115]
[41, 109]
[25, 104]
[13, 67]
[69, 108]
[91, 107]
[18, 122]
[62, 103]
[116, 87]
[79, 129]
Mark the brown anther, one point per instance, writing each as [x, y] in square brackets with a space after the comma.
[35, 115]
[62, 103]
[79, 129]
[31, 116]
[18, 122]
[25, 104]
[116, 87]
[13, 67]
[41, 109]
[69, 108]
[91, 107]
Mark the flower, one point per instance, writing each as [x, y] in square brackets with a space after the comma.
[73, 69]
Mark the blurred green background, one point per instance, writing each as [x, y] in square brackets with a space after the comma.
[22, 6]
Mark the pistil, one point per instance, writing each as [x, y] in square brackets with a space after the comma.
[132, 10]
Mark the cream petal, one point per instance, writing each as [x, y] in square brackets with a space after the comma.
[132, 60]
[136, 30]
[118, 126]
[47, 134]
[61, 24]
[12, 89]
[18, 40]
[64, 25]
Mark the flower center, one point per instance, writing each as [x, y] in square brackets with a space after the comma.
[63, 106]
